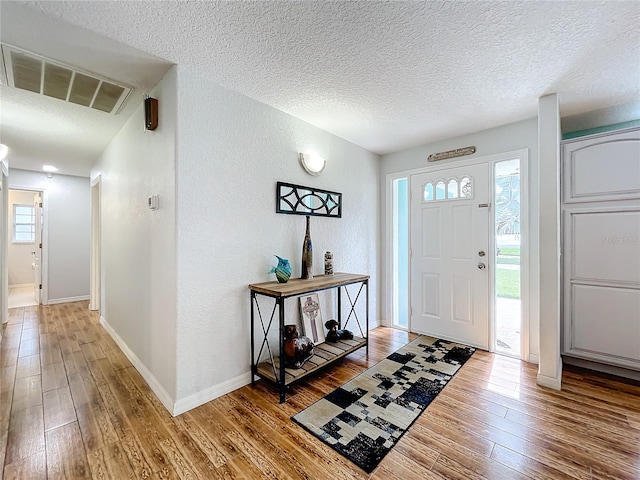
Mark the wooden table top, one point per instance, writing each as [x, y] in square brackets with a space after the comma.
[298, 286]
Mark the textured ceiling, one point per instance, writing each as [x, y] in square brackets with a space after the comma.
[389, 75]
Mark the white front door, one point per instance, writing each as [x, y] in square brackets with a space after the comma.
[450, 254]
[37, 250]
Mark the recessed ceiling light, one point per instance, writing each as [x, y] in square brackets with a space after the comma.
[4, 150]
[49, 168]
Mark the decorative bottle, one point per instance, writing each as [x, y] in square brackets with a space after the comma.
[307, 253]
[328, 263]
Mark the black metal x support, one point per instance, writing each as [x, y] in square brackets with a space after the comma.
[353, 308]
[264, 331]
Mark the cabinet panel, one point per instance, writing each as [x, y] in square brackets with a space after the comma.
[605, 324]
[606, 246]
[606, 168]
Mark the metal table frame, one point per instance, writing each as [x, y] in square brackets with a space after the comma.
[295, 288]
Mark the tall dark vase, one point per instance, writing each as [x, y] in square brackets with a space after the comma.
[307, 253]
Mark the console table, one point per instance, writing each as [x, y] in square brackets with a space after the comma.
[272, 369]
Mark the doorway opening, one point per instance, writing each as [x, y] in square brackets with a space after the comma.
[507, 218]
[24, 252]
[487, 274]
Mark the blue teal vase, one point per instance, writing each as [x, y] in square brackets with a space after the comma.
[282, 270]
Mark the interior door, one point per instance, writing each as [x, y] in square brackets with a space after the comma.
[450, 254]
[37, 251]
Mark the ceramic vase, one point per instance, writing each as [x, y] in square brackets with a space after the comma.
[307, 253]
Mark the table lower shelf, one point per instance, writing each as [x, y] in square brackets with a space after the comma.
[324, 354]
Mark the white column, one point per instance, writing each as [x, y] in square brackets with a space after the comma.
[550, 367]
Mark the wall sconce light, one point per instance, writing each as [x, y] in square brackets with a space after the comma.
[150, 113]
[312, 163]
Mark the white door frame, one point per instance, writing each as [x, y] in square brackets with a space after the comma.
[44, 261]
[525, 293]
[96, 198]
[4, 248]
[37, 248]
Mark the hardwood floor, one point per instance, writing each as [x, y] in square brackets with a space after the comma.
[72, 406]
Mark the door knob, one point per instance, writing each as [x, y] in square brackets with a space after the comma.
[481, 253]
[482, 266]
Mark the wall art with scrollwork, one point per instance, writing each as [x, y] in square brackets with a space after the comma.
[300, 200]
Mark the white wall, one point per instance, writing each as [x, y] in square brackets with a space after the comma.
[138, 284]
[20, 256]
[67, 203]
[506, 138]
[231, 152]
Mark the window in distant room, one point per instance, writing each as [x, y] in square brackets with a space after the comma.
[24, 224]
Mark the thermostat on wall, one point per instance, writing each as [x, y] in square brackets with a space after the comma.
[153, 202]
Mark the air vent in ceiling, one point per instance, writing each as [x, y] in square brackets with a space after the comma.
[37, 74]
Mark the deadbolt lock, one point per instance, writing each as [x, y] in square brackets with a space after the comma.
[481, 253]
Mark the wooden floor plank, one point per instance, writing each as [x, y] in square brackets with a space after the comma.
[54, 376]
[28, 366]
[29, 347]
[26, 435]
[49, 349]
[477, 463]
[66, 457]
[27, 392]
[32, 468]
[58, 408]
[4, 437]
[110, 462]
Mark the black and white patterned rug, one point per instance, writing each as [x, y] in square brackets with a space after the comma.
[365, 417]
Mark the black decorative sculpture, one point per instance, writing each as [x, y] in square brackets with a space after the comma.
[297, 349]
[334, 334]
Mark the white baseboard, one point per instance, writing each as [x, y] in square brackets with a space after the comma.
[151, 380]
[185, 404]
[555, 383]
[204, 396]
[21, 285]
[55, 301]
[384, 322]
[534, 358]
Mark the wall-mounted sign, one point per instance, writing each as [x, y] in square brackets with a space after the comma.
[458, 152]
